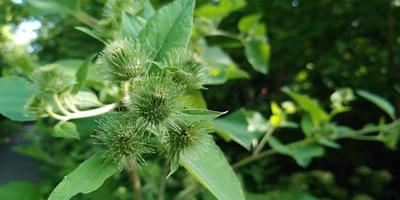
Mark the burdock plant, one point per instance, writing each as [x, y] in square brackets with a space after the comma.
[152, 112]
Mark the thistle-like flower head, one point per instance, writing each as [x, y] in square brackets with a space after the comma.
[187, 70]
[182, 137]
[155, 99]
[125, 139]
[36, 107]
[123, 60]
[52, 81]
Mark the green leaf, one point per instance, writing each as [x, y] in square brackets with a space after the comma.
[196, 99]
[281, 195]
[302, 153]
[257, 51]
[306, 125]
[318, 114]
[378, 101]
[15, 92]
[131, 26]
[85, 99]
[66, 130]
[19, 190]
[220, 9]
[198, 114]
[235, 127]
[220, 66]
[247, 23]
[169, 28]
[86, 178]
[210, 167]
[91, 33]
[82, 74]
[51, 7]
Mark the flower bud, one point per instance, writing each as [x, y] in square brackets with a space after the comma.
[123, 60]
[187, 70]
[155, 100]
[125, 139]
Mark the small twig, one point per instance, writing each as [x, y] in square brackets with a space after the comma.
[263, 141]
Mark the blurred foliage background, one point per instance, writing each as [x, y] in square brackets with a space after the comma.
[313, 47]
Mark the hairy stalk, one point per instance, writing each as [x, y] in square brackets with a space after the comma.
[83, 114]
[71, 106]
[137, 185]
[59, 105]
[263, 141]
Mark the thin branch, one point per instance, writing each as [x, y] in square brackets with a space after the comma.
[263, 141]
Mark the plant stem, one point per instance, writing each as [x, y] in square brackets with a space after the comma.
[83, 114]
[263, 141]
[59, 105]
[71, 106]
[137, 185]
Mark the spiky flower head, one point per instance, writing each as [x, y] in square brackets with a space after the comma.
[36, 107]
[125, 139]
[187, 70]
[183, 137]
[155, 99]
[123, 60]
[52, 81]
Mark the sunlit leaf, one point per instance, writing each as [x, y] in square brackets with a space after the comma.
[210, 167]
[378, 101]
[86, 178]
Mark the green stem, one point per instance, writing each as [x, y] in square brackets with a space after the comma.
[83, 114]
[137, 185]
[263, 141]
[358, 135]
[59, 105]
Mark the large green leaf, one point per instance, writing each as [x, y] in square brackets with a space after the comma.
[19, 190]
[235, 127]
[378, 101]
[131, 26]
[303, 153]
[169, 28]
[89, 176]
[14, 94]
[318, 114]
[210, 167]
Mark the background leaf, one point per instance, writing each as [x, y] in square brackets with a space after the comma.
[309, 105]
[19, 190]
[378, 101]
[234, 126]
[302, 153]
[15, 92]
